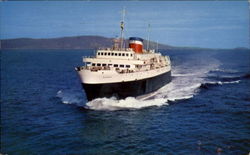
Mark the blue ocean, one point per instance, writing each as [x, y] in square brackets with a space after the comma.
[204, 110]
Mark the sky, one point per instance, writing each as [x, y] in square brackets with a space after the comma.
[208, 24]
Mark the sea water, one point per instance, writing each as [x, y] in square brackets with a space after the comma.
[204, 110]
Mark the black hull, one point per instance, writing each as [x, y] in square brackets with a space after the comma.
[122, 90]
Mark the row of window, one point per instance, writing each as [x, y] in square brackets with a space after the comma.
[114, 54]
[110, 65]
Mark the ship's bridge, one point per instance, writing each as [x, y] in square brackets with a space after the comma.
[108, 53]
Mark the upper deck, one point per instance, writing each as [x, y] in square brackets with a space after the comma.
[108, 53]
[126, 54]
[125, 60]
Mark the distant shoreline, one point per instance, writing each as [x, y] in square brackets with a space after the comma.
[79, 43]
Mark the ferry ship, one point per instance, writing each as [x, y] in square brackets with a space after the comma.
[123, 72]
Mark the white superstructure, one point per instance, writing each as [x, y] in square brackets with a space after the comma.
[112, 66]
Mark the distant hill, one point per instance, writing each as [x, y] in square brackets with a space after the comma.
[80, 42]
[77, 42]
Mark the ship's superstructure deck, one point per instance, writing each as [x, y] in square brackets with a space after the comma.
[110, 66]
[125, 61]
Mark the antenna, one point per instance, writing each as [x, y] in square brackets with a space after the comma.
[122, 27]
[148, 36]
[157, 46]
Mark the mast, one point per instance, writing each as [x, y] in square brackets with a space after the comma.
[122, 27]
[157, 46]
[148, 37]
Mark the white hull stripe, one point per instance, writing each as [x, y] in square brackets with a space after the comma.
[99, 77]
[135, 42]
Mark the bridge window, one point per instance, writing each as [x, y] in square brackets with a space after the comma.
[105, 53]
[127, 54]
[127, 66]
[98, 53]
[119, 54]
[131, 54]
[93, 64]
[101, 53]
[104, 65]
[98, 64]
[115, 54]
[115, 65]
[108, 53]
[122, 66]
[112, 54]
[123, 54]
